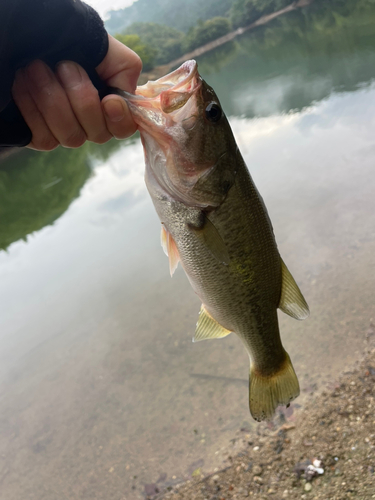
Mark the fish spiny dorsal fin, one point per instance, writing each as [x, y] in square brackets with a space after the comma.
[292, 301]
[208, 328]
[213, 241]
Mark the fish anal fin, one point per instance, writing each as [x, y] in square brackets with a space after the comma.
[208, 327]
[213, 241]
[266, 393]
[292, 301]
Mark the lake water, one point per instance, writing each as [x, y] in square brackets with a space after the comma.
[101, 388]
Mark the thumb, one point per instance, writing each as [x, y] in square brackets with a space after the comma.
[121, 66]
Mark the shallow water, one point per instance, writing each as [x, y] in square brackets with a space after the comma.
[101, 389]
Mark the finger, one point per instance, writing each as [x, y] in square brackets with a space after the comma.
[121, 66]
[84, 100]
[119, 120]
[42, 137]
[53, 104]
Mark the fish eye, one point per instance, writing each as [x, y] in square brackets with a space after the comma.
[213, 112]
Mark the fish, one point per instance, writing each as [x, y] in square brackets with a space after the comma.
[215, 223]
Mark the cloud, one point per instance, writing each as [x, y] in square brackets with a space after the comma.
[103, 6]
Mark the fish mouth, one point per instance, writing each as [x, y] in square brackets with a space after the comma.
[183, 79]
[166, 112]
[166, 95]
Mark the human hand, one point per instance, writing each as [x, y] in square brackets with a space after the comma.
[64, 107]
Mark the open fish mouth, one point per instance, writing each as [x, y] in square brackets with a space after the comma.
[183, 79]
[167, 94]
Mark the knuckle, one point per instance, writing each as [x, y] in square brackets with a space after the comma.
[123, 132]
[30, 112]
[75, 140]
[101, 138]
[137, 63]
[46, 143]
[120, 135]
[88, 113]
[89, 98]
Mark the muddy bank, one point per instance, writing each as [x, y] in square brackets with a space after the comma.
[325, 451]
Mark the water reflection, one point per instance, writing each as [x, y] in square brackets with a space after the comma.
[296, 60]
[101, 387]
[37, 188]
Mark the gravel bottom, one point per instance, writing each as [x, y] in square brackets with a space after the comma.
[325, 451]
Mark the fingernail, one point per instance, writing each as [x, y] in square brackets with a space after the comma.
[114, 110]
[69, 74]
[39, 74]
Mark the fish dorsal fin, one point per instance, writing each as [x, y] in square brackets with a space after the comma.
[292, 301]
[170, 249]
[213, 241]
[208, 328]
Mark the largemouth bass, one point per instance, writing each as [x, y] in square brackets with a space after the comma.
[215, 223]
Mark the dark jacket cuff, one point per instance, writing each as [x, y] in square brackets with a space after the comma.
[53, 31]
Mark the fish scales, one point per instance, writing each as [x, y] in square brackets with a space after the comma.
[215, 223]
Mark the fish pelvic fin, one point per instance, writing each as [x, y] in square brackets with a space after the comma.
[266, 393]
[208, 327]
[170, 249]
[292, 301]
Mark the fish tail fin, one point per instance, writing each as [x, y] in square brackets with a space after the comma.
[267, 392]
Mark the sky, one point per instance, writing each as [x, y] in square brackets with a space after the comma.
[104, 6]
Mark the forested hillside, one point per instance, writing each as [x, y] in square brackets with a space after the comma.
[179, 14]
[161, 31]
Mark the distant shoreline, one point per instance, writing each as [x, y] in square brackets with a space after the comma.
[159, 71]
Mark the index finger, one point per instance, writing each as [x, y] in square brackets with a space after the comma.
[121, 66]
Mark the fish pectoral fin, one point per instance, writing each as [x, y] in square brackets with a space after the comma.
[292, 301]
[213, 241]
[267, 392]
[208, 327]
[163, 240]
[170, 249]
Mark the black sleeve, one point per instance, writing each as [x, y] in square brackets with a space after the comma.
[50, 30]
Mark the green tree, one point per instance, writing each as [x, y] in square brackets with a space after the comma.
[205, 32]
[245, 12]
[165, 40]
[180, 15]
[146, 52]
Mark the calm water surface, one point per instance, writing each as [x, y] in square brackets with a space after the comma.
[101, 389]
